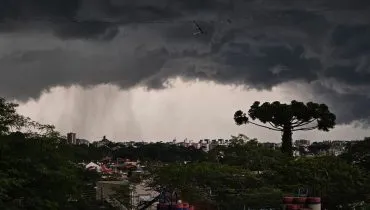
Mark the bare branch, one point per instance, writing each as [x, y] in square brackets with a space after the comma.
[304, 123]
[263, 126]
[273, 125]
[294, 120]
[305, 129]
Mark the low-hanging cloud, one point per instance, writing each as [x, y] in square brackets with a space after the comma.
[255, 43]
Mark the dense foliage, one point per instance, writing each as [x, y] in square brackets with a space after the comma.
[248, 155]
[37, 171]
[359, 153]
[248, 174]
[216, 185]
[37, 174]
[160, 152]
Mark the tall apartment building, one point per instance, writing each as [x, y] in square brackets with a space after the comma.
[71, 138]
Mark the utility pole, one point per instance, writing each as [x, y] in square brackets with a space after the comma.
[101, 193]
[132, 197]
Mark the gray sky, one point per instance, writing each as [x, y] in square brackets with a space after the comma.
[192, 110]
[135, 70]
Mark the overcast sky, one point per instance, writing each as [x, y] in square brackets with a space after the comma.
[134, 70]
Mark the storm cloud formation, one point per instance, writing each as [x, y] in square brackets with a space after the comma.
[257, 43]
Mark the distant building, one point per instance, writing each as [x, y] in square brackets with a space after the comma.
[82, 142]
[116, 148]
[71, 138]
[296, 153]
[302, 142]
[213, 144]
[269, 145]
[205, 147]
[337, 147]
[103, 142]
[127, 143]
[196, 145]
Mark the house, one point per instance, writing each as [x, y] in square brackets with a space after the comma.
[269, 145]
[205, 147]
[82, 142]
[103, 142]
[302, 142]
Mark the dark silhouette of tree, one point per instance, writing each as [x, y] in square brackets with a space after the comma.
[358, 153]
[9, 118]
[287, 118]
[36, 170]
[11, 121]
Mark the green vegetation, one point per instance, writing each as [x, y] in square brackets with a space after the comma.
[216, 185]
[39, 170]
[257, 177]
[161, 152]
[36, 170]
[37, 174]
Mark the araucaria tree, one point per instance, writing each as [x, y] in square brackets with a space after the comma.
[287, 118]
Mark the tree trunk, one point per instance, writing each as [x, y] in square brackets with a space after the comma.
[287, 144]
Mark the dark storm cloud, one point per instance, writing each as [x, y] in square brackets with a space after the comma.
[61, 15]
[30, 74]
[351, 41]
[349, 75]
[81, 18]
[273, 66]
[350, 105]
[86, 30]
[19, 9]
[258, 43]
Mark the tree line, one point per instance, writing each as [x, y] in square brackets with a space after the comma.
[39, 170]
[258, 177]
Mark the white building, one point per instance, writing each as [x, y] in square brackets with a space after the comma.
[103, 142]
[82, 142]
